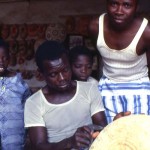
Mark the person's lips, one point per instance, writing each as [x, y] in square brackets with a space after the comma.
[83, 77]
[64, 85]
[118, 19]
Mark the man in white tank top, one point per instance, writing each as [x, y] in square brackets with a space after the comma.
[122, 40]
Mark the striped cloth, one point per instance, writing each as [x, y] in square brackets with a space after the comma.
[131, 96]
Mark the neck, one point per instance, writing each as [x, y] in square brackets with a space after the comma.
[71, 88]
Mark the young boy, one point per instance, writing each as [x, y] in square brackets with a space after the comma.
[81, 60]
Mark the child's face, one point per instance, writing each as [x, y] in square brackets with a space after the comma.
[4, 60]
[81, 68]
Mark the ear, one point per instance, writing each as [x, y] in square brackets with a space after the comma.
[39, 75]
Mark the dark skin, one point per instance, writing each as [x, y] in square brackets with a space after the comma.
[60, 89]
[122, 114]
[120, 27]
[4, 62]
[81, 68]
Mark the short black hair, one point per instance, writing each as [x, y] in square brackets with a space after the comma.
[137, 1]
[79, 50]
[48, 50]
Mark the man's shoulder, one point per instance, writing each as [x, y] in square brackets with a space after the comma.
[34, 96]
[146, 33]
[86, 85]
[147, 30]
[93, 80]
[138, 21]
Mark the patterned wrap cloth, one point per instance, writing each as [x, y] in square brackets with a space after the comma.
[13, 93]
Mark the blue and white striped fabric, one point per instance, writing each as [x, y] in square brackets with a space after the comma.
[131, 96]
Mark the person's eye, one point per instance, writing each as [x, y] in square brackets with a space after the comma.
[52, 74]
[77, 66]
[89, 66]
[127, 5]
[113, 4]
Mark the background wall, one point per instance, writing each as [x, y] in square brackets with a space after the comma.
[47, 11]
[43, 11]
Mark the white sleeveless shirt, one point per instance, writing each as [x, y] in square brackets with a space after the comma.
[125, 64]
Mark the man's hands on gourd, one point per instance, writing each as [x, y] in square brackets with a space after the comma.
[122, 114]
[83, 137]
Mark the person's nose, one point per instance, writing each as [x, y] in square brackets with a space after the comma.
[84, 69]
[61, 76]
[119, 10]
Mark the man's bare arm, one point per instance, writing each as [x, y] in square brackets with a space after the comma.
[38, 137]
[99, 119]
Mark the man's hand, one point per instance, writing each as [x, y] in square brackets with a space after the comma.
[95, 134]
[82, 137]
[122, 114]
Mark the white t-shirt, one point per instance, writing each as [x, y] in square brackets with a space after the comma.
[92, 80]
[62, 120]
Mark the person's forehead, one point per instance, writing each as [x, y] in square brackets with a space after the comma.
[63, 60]
[81, 58]
[57, 61]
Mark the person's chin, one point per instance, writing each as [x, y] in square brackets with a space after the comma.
[63, 87]
[83, 78]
